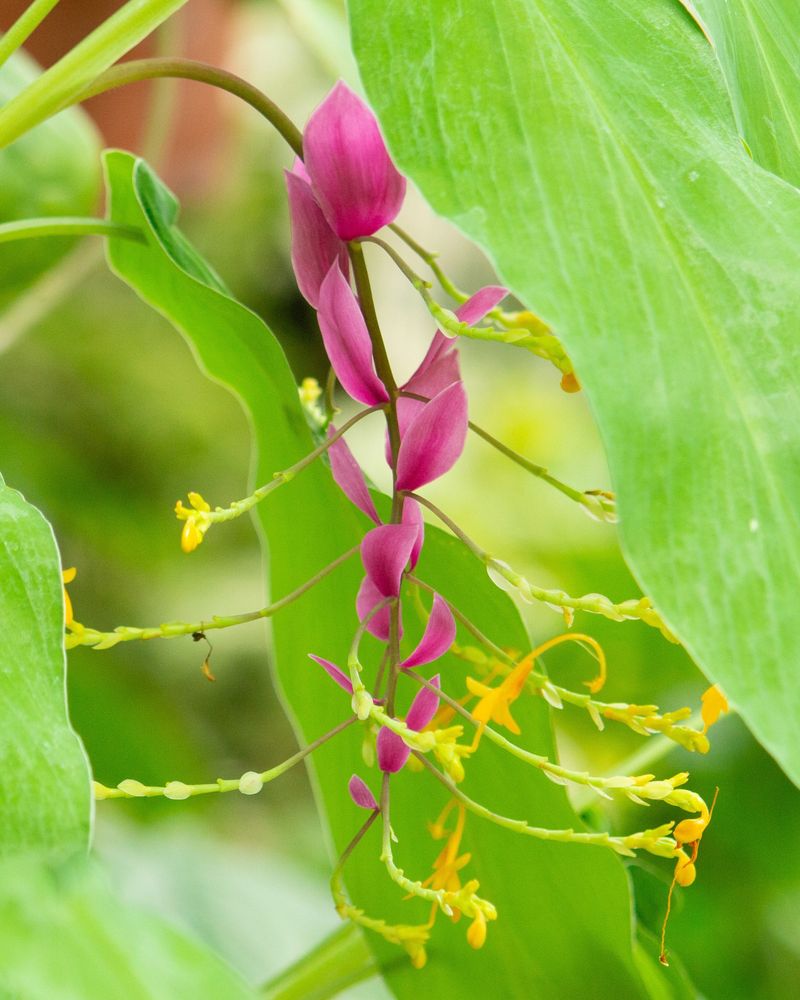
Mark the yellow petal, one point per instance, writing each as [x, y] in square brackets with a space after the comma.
[68, 575]
[714, 704]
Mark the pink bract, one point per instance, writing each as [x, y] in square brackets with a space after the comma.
[353, 178]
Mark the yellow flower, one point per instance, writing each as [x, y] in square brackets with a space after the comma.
[714, 703]
[195, 525]
[67, 576]
[494, 704]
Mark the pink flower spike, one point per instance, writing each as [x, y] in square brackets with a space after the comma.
[482, 302]
[315, 246]
[434, 439]
[353, 178]
[392, 751]
[360, 793]
[385, 552]
[346, 339]
[439, 635]
[368, 596]
[349, 477]
[412, 514]
[333, 671]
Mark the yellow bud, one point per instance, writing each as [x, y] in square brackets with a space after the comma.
[685, 873]
[198, 502]
[191, 536]
[476, 932]
[176, 790]
[570, 383]
[714, 703]
[68, 575]
[250, 783]
[418, 957]
[132, 787]
[310, 391]
[100, 791]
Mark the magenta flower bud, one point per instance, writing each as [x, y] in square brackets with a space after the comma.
[352, 176]
[392, 751]
[360, 793]
[385, 552]
[315, 246]
[434, 439]
[347, 341]
[439, 635]
[349, 477]
[334, 672]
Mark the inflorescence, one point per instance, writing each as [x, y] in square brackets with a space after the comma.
[342, 192]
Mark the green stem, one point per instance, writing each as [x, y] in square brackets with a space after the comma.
[654, 841]
[339, 961]
[23, 27]
[239, 507]
[250, 782]
[430, 259]
[597, 604]
[82, 636]
[26, 229]
[191, 69]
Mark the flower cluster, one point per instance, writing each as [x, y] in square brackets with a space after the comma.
[342, 191]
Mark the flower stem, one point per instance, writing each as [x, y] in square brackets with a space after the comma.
[130, 789]
[596, 604]
[239, 507]
[430, 259]
[82, 636]
[191, 69]
[655, 841]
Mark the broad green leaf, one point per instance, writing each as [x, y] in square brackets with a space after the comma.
[45, 797]
[64, 934]
[595, 157]
[758, 46]
[53, 170]
[555, 902]
[61, 84]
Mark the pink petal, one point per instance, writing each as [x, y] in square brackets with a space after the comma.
[438, 369]
[333, 671]
[412, 514]
[423, 707]
[348, 475]
[315, 246]
[360, 793]
[354, 180]
[434, 439]
[439, 635]
[385, 552]
[346, 339]
[368, 596]
[392, 752]
[482, 302]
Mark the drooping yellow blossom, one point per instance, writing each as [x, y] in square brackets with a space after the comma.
[448, 863]
[67, 576]
[494, 704]
[714, 703]
[194, 526]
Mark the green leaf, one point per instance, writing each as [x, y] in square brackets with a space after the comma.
[64, 934]
[758, 46]
[593, 154]
[44, 779]
[52, 170]
[64, 81]
[555, 902]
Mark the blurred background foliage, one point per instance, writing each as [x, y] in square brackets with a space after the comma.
[105, 421]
